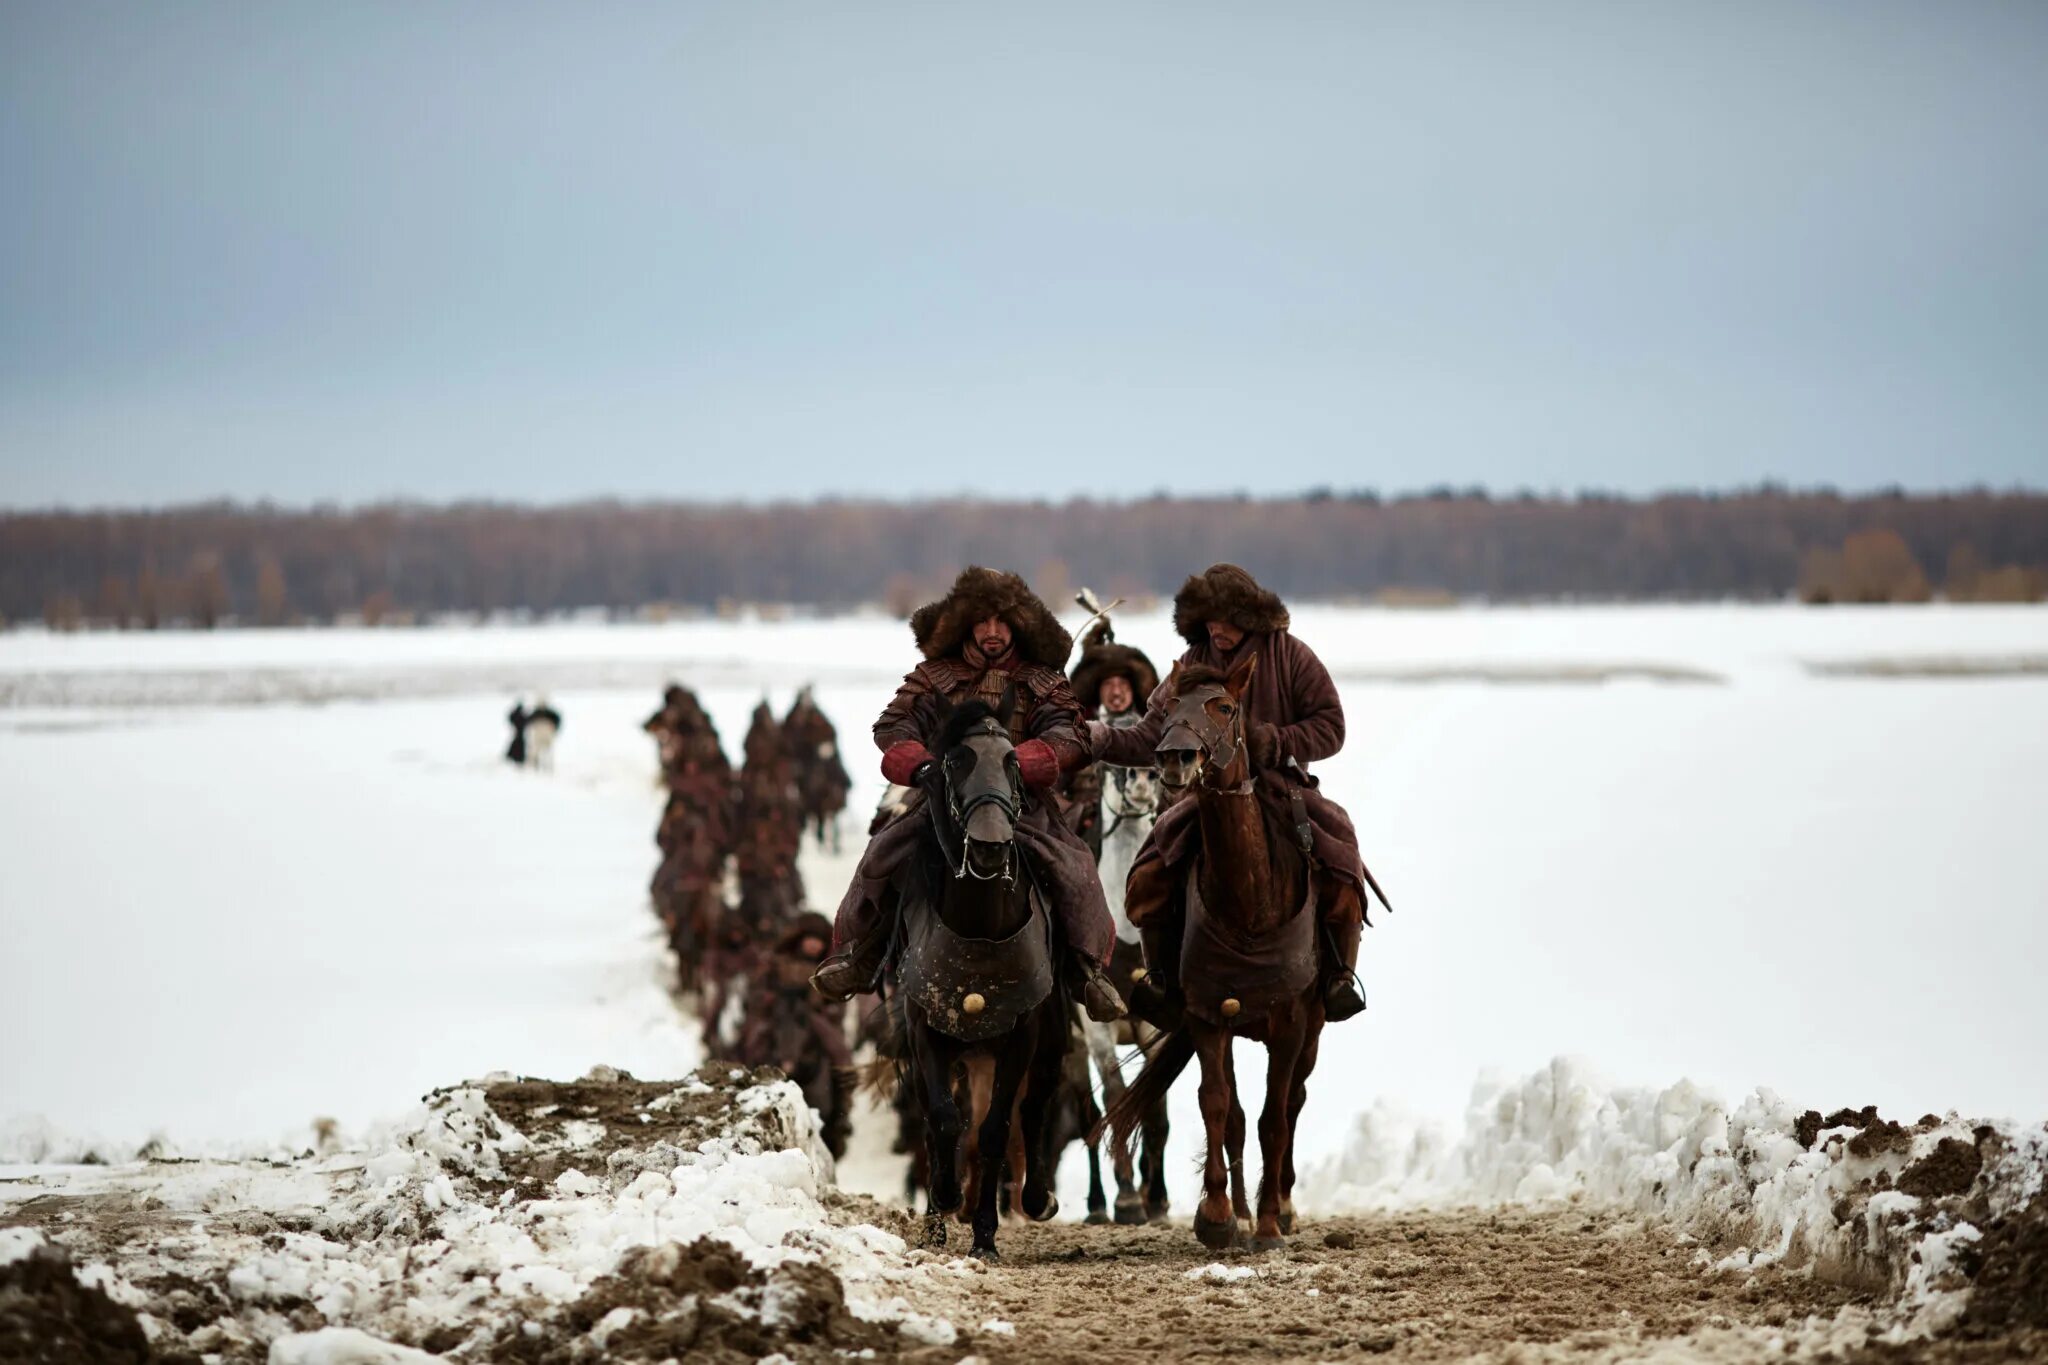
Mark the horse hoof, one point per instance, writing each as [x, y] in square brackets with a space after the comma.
[1216, 1236]
[1097, 1217]
[1268, 1243]
[1156, 1210]
[935, 1231]
[1131, 1213]
[987, 1253]
[1287, 1223]
[1045, 1212]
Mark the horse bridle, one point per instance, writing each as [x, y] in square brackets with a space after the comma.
[1118, 779]
[1009, 801]
[1220, 743]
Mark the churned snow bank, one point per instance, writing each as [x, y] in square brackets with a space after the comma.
[1763, 1183]
[643, 1215]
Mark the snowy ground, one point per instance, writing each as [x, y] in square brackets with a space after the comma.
[257, 878]
[1663, 838]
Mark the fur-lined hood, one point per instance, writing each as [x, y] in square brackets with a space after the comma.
[1102, 659]
[942, 627]
[1224, 592]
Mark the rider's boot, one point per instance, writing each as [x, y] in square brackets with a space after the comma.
[855, 969]
[1156, 997]
[1098, 993]
[1342, 997]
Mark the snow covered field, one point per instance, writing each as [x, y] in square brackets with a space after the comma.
[1658, 837]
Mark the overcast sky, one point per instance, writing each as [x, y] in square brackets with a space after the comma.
[312, 251]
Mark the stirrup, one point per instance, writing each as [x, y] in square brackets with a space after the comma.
[1342, 998]
[1098, 993]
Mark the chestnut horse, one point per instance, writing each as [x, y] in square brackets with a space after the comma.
[1248, 962]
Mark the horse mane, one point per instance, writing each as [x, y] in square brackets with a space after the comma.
[959, 722]
[1199, 675]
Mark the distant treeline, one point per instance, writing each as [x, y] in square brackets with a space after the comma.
[217, 563]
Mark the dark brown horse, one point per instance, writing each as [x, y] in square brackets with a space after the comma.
[986, 1020]
[1248, 963]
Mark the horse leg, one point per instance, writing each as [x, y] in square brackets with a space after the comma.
[1098, 1199]
[1233, 1136]
[933, 1059]
[1007, 1075]
[981, 1070]
[1045, 1066]
[1153, 1128]
[1130, 1203]
[1215, 1227]
[1303, 1065]
[1283, 1052]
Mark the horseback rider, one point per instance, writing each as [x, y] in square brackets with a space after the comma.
[1292, 718]
[1112, 682]
[989, 634]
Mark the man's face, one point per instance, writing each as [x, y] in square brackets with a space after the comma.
[1224, 637]
[1117, 696]
[992, 637]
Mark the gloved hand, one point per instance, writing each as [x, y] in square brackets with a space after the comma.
[1038, 764]
[1264, 741]
[1096, 737]
[905, 763]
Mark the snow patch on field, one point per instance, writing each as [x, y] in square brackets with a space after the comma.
[1764, 1183]
[499, 1207]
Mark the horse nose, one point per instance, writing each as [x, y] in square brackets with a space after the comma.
[989, 825]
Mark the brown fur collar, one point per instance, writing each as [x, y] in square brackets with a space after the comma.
[1224, 592]
[942, 627]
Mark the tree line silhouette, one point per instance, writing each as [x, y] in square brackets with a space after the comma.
[226, 563]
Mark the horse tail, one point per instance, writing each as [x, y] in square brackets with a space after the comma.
[886, 1026]
[1170, 1056]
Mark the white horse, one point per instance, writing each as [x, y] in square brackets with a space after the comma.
[1131, 799]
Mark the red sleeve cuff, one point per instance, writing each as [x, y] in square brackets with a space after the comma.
[1038, 763]
[900, 761]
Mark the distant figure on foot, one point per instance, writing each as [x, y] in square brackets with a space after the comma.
[542, 723]
[520, 718]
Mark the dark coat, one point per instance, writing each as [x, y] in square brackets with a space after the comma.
[1291, 691]
[1045, 711]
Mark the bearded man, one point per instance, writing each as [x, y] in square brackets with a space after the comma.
[988, 635]
[1292, 718]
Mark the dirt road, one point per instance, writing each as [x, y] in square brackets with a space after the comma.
[1515, 1285]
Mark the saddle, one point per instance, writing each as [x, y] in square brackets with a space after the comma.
[940, 970]
[1218, 964]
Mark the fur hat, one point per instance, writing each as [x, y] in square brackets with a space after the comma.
[1102, 659]
[810, 924]
[942, 627]
[1224, 592]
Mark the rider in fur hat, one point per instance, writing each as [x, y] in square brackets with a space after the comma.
[989, 634]
[1293, 717]
[1112, 682]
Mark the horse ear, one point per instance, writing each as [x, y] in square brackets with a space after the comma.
[1241, 674]
[1173, 680]
[1007, 707]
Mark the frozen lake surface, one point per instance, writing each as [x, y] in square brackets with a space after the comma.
[1660, 837]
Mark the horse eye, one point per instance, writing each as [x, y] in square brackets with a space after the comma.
[1226, 708]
